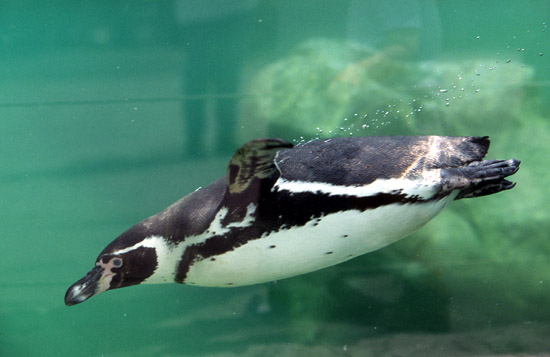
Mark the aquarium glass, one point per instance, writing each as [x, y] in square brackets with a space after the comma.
[110, 111]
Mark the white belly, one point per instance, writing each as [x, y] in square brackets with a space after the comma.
[336, 238]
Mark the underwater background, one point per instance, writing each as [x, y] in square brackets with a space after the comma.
[112, 110]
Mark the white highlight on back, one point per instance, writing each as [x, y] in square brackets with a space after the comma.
[424, 188]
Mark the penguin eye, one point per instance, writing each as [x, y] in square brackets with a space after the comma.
[117, 262]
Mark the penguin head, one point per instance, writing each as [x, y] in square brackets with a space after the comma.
[114, 268]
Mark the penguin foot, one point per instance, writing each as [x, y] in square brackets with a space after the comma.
[480, 178]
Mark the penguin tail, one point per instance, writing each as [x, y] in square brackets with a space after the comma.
[480, 178]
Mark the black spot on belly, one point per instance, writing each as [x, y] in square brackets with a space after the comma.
[228, 283]
[272, 246]
[345, 236]
[327, 253]
[212, 259]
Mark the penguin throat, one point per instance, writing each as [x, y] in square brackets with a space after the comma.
[107, 277]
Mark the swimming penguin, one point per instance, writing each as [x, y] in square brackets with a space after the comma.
[282, 211]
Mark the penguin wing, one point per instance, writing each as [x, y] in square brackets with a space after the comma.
[254, 161]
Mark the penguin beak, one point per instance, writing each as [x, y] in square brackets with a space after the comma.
[85, 288]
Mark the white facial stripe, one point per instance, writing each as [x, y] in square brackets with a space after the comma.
[147, 243]
[423, 187]
[169, 256]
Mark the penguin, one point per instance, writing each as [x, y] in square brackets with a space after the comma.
[285, 210]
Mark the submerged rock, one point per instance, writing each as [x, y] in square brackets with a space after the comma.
[327, 88]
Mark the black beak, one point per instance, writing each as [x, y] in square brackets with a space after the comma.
[85, 288]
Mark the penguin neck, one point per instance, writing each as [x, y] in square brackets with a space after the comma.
[168, 256]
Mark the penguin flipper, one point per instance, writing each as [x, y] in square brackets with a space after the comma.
[253, 160]
[480, 178]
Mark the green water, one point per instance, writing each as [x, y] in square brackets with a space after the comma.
[112, 110]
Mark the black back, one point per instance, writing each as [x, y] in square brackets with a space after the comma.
[362, 160]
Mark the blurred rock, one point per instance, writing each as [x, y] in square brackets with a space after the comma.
[327, 87]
